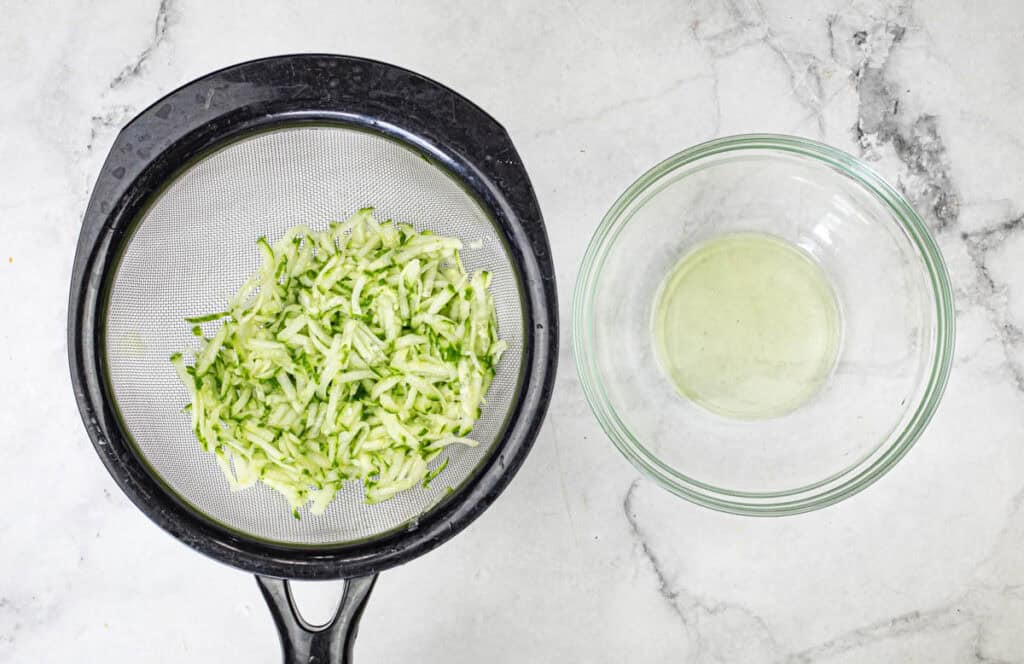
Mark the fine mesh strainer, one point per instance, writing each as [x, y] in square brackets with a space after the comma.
[170, 231]
[264, 185]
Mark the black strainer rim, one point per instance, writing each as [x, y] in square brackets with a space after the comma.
[285, 91]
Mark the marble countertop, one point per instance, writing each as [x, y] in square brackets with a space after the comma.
[581, 560]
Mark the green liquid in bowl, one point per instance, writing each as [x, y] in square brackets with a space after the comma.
[747, 326]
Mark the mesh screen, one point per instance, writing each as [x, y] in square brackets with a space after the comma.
[196, 245]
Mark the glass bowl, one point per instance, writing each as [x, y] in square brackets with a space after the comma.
[896, 320]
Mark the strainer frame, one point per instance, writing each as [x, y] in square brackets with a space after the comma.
[229, 104]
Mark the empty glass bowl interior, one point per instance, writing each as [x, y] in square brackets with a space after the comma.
[891, 348]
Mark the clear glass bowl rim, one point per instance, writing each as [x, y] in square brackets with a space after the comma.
[829, 490]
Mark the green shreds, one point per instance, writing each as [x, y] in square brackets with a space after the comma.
[355, 353]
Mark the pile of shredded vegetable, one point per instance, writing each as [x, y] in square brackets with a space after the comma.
[355, 353]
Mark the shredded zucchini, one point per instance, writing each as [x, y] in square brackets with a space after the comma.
[355, 353]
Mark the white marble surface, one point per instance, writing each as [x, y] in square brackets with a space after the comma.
[581, 560]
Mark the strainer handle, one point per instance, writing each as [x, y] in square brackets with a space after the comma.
[302, 643]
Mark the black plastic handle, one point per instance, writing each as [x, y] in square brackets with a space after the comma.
[302, 643]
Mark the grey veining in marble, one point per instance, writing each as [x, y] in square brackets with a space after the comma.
[581, 560]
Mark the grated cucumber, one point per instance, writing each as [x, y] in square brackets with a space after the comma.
[356, 353]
